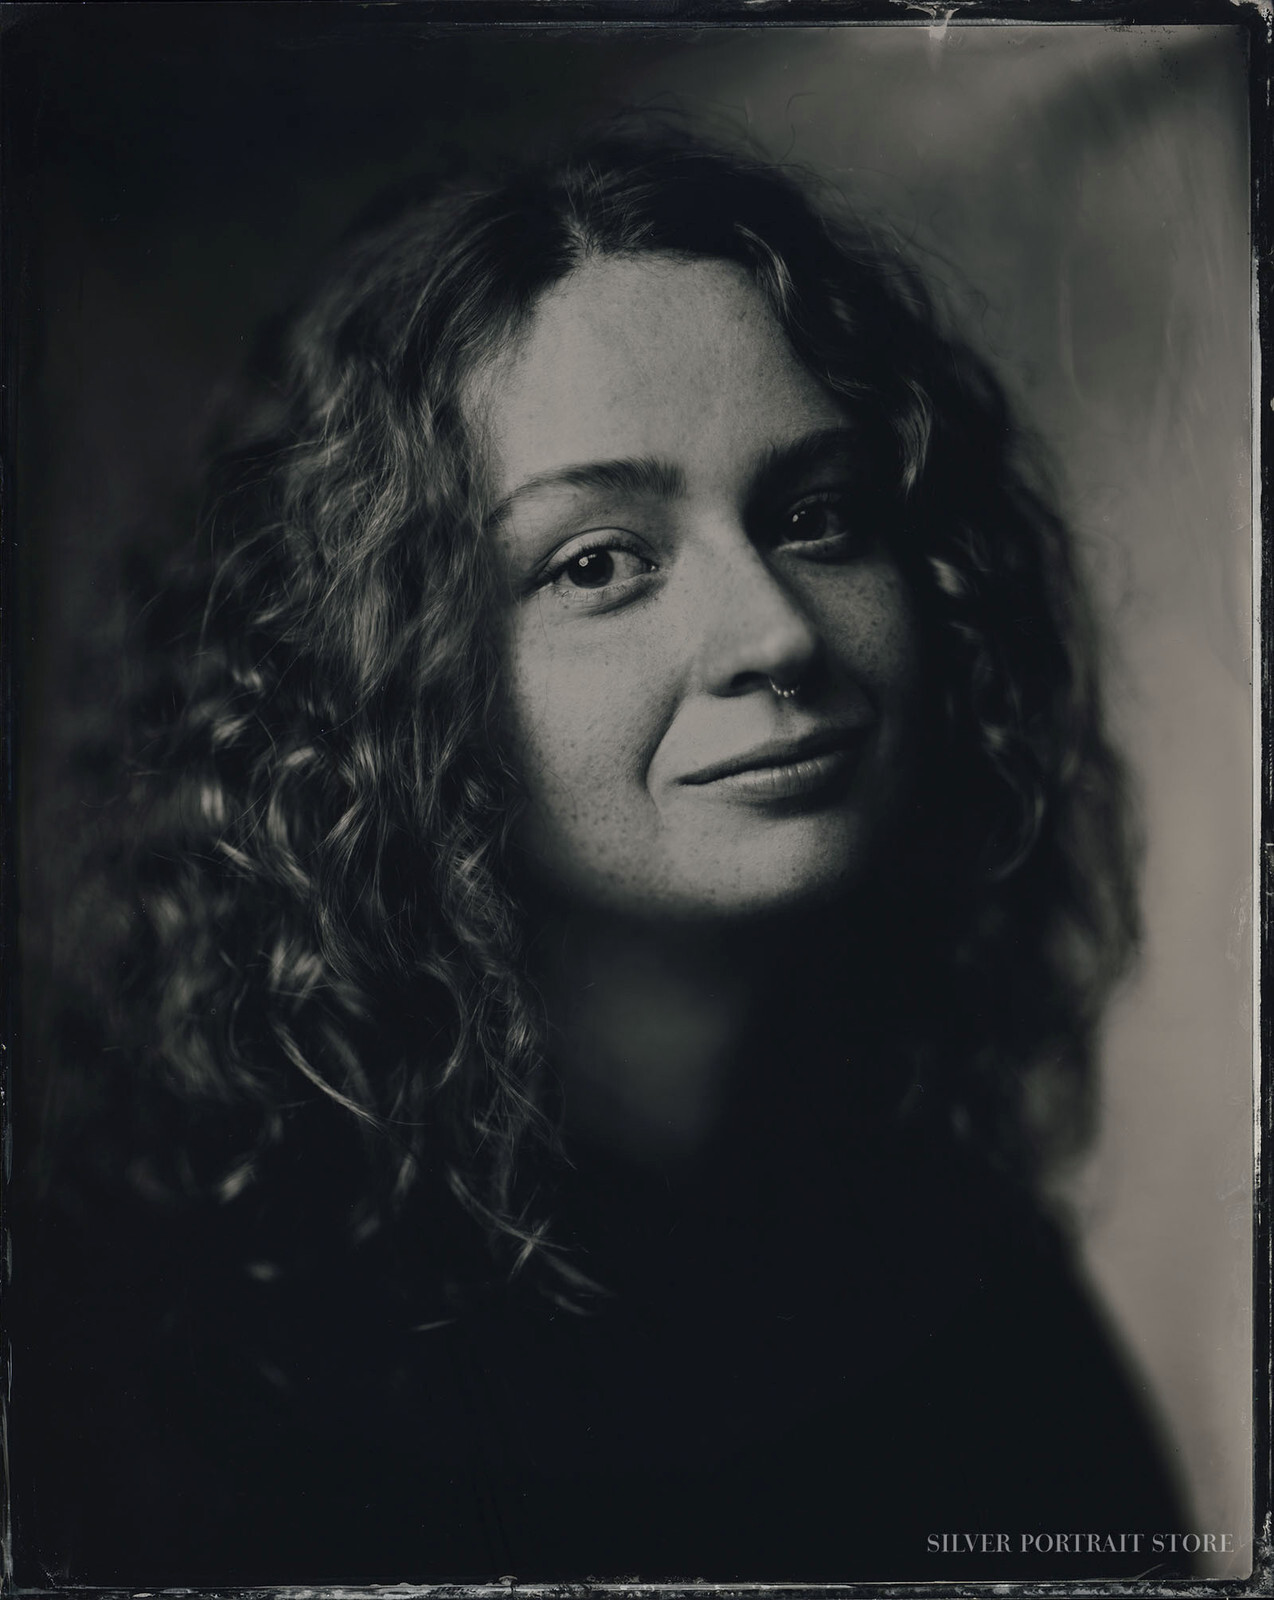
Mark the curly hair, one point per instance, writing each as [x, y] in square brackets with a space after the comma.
[323, 865]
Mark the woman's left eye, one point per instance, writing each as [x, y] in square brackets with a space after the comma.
[822, 519]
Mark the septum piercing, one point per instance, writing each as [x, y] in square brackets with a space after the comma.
[788, 693]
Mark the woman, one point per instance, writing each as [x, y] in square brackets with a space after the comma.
[631, 869]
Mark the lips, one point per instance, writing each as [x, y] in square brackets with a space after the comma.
[783, 769]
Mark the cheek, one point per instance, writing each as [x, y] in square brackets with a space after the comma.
[584, 721]
[872, 631]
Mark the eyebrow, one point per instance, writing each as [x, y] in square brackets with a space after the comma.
[782, 462]
[627, 475]
[662, 479]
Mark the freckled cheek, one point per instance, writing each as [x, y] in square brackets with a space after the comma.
[581, 729]
[872, 633]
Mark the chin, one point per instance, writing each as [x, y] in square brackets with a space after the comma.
[748, 874]
[760, 900]
[804, 863]
[759, 886]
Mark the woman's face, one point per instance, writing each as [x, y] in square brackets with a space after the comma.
[687, 524]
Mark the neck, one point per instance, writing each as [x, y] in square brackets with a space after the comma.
[659, 1031]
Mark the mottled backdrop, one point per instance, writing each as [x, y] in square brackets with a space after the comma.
[1082, 191]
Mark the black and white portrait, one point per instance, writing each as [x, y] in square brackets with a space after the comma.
[634, 705]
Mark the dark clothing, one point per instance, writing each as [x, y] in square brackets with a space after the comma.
[816, 1374]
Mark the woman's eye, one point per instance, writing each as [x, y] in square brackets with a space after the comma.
[820, 519]
[597, 569]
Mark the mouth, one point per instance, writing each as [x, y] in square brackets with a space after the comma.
[787, 769]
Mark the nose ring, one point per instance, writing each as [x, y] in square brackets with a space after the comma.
[785, 691]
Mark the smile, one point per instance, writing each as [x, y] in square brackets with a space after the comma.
[789, 769]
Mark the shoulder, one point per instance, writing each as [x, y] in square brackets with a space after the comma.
[1028, 1397]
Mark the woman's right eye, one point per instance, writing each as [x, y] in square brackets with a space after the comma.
[596, 572]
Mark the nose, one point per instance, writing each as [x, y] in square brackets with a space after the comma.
[752, 628]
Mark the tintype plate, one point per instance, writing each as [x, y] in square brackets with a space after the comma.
[1082, 191]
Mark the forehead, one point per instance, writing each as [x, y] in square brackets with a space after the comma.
[681, 361]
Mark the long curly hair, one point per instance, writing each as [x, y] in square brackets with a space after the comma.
[321, 819]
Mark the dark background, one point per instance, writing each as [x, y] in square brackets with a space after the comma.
[172, 172]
